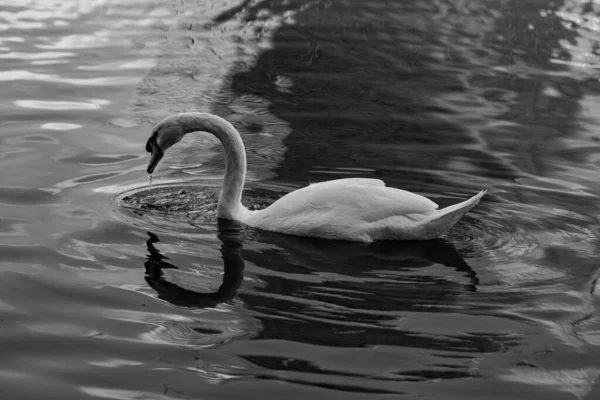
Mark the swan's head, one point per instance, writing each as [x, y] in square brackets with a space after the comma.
[165, 134]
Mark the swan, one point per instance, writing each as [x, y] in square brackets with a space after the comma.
[352, 209]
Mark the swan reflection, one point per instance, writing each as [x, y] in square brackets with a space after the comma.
[309, 291]
[292, 254]
[233, 264]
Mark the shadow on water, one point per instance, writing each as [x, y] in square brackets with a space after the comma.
[430, 103]
[368, 94]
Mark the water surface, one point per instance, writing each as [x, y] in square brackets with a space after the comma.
[442, 98]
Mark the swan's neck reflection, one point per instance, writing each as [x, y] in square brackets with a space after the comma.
[233, 264]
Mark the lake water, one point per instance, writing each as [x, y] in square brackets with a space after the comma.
[440, 97]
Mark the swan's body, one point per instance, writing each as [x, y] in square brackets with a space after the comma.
[355, 209]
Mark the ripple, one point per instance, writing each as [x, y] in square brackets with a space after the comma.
[23, 25]
[18, 75]
[60, 126]
[209, 328]
[49, 62]
[145, 63]
[13, 39]
[102, 38]
[57, 328]
[25, 196]
[284, 84]
[28, 258]
[87, 179]
[204, 332]
[579, 382]
[61, 105]
[183, 209]
[124, 123]
[117, 394]
[192, 199]
[96, 177]
[37, 56]
[36, 138]
[496, 235]
[13, 226]
[103, 159]
[114, 363]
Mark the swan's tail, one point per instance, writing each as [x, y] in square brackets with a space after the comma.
[440, 221]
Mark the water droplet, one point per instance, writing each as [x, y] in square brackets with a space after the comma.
[150, 177]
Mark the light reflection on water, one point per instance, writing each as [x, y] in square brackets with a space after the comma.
[441, 97]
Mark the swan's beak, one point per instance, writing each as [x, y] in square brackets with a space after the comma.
[157, 155]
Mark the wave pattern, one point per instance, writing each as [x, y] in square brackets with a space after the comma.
[443, 97]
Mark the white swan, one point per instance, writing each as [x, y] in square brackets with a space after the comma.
[355, 209]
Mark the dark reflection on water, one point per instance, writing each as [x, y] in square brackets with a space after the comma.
[233, 271]
[334, 294]
[373, 87]
[442, 97]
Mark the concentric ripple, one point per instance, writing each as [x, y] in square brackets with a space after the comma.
[184, 208]
[495, 234]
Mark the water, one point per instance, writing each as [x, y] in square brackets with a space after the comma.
[443, 97]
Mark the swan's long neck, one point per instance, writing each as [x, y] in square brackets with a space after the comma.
[230, 200]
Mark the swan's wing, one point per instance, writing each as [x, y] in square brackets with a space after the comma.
[369, 196]
[352, 200]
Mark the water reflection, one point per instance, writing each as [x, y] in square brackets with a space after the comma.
[351, 259]
[429, 96]
[286, 253]
[306, 292]
[233, 271]
[343, 294]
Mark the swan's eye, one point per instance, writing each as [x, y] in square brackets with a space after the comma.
[151, 142]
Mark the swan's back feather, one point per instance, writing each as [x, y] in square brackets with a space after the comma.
[347, 181]
[366, 199]
[339, 208]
